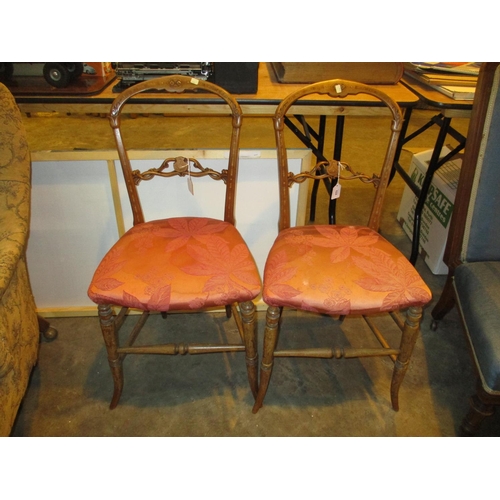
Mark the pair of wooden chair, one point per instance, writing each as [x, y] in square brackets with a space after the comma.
[192, 263]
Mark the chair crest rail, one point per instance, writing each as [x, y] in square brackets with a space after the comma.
[332, 169]
[181, 166]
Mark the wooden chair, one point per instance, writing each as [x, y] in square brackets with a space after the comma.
[473, 248]
[179, 263]
[339, 270]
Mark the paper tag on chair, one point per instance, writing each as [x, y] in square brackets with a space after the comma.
[336, 191]
[337, 188]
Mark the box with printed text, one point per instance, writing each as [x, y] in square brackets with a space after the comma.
[436, 215]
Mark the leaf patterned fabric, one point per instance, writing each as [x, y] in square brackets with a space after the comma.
[177, 264]
[340, 270]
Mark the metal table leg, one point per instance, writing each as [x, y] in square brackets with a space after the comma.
[306, 137]
[434, 164]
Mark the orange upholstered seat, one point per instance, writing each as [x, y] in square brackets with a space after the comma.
[365, 273]
[177, 264]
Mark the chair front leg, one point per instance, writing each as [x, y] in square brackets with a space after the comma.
[248, 316]
[408, 339]
[110, 334]
[481, 407]
[270, 341]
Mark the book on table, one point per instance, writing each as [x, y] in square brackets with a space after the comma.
[456, 80]
[456, 92]
[437, 78]
[460, 68]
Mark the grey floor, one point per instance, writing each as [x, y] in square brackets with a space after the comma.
[71, 386]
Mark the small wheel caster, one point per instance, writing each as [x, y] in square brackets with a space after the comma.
[50, 334]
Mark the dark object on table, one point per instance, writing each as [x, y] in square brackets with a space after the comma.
[236, 77]
[131, 73]
[57, 74]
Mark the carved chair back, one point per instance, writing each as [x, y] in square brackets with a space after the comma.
[177, 166]
[335, 89]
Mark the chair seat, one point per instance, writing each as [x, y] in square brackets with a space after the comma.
[477, 285]
[366, 273]
[177, 264]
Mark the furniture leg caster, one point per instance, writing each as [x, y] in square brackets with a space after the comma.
[48, 332]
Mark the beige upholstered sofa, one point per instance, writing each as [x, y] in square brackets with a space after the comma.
[19, 332]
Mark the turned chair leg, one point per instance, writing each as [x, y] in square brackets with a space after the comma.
[266, 367]
[408, 339]
[248, 316]
[480, 408]
[477, 413]
[110, 335]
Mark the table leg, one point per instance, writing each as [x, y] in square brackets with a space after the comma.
[337, 153]
[435, 163]
[321, 143]
[433, 166]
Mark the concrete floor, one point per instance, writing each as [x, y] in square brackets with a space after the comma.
[71, 386]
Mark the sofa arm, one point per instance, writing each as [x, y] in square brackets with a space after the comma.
[14, 224]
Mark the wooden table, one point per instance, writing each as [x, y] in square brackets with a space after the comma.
[264, 102]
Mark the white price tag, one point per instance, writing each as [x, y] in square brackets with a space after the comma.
[336, 191]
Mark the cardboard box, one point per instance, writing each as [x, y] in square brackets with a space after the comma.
[436, 215]
[372, 73]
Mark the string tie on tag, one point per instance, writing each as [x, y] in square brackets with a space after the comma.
[189, 179]
[337, 188]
